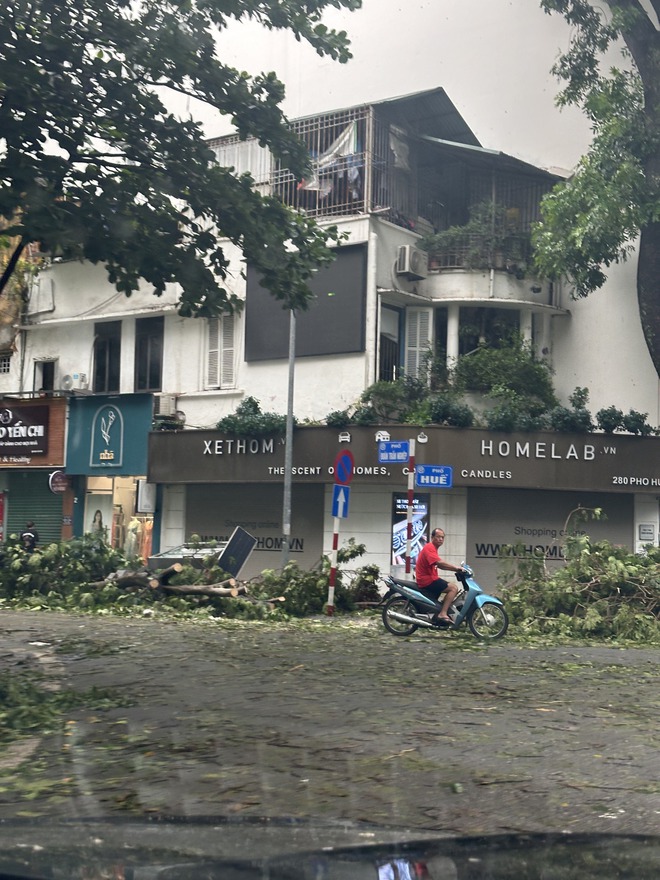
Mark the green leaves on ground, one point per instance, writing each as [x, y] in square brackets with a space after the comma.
[79, 575]
[28, 704]
[59, 570]
[601, 591]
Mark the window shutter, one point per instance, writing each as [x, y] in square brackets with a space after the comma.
[212, 370]
[419, 324]
[220, 363]
[227, 362]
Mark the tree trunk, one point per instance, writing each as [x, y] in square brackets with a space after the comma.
[163, 576]
[648, 289]
[643, 40]
[224, 588]
[11, 266]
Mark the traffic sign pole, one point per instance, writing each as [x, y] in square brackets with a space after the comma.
[411, 502]
[333, 569]
[344, 466]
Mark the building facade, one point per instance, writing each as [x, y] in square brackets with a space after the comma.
[486, 489]
[388, 174]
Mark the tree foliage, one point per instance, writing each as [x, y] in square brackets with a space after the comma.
[93, 165]
[250, 421]
[80, 575]
[603, 590]
[593, 220]
[513, 366]
[64, 567]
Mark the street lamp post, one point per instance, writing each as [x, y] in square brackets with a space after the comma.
[288, 444]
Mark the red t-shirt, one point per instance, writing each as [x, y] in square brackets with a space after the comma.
[425, 570]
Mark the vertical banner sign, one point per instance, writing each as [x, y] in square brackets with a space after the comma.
[420, 529]
[344, 466]
[411, 498]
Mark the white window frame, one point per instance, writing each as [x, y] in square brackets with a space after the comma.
[419, 338]
[221, 352]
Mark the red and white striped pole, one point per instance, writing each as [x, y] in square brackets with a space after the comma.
[411, 499]
[333, 569]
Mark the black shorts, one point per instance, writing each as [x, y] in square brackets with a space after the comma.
[433, 590]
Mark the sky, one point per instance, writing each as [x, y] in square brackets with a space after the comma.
[492, 57]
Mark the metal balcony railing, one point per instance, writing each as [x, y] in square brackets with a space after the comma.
[512, 251]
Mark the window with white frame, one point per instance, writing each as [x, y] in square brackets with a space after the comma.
[5, 362]
[220, 372]
[419, 340]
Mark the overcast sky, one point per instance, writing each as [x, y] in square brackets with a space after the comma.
[493, 57]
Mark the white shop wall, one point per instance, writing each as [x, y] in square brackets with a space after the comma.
[536, 519]
[173, 517]
[647, 521]
[212, 508]
[370, 517]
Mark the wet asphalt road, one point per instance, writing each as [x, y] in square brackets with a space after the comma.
[336, 719]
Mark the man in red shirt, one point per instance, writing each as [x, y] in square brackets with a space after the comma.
[426, 574]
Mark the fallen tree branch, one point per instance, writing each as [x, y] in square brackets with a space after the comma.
[159, 581]
[224, 588]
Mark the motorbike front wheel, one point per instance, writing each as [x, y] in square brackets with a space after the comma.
[489, 622]
[399, 627]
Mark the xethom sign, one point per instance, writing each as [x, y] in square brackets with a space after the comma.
[469, 458]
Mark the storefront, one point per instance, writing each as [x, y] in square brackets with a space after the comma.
[107, 460]
[484, 489]
[31, 452]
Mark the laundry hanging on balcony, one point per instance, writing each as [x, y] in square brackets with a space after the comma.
[339, 160]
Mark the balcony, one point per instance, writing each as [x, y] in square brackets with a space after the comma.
[468, 266]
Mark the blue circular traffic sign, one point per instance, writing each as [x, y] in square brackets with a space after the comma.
[344, 464]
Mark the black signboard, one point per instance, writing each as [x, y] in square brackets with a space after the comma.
[237, 552]
[24, 430]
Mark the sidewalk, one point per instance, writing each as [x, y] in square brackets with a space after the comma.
[336, 719]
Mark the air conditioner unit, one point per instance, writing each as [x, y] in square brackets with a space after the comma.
[75, 382]
[411, 261]
[164, 404]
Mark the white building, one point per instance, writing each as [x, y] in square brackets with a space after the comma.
[387, 173]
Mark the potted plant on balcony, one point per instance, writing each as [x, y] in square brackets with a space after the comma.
[488, 240]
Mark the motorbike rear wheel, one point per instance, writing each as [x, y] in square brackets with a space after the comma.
[488, 622]
[400, 605]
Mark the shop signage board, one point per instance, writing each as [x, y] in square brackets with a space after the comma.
[109, 434]
[24, 430]
[58, 482]
[237, 552]
[107, 446]
[478, 458]
[646, 533]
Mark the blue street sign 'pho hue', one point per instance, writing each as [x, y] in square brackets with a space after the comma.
[341, 496]
[393, 451]
[344, 465]
[433, 476]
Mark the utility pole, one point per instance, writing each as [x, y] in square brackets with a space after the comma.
[288, 443]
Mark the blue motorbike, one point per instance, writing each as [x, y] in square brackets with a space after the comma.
[406, 609]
